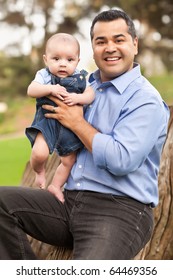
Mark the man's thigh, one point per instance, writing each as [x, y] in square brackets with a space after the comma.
[108, 227]
[38, 213]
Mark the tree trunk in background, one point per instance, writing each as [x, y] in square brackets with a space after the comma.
[161, 245]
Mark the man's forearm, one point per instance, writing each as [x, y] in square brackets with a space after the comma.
[85, 133]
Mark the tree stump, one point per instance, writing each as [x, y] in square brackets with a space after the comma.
[160, 246]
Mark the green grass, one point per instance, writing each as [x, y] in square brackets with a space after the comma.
[14, 154]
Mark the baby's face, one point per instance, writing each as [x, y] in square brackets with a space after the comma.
[62, 58]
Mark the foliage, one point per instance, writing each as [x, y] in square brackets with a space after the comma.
[151, 11]
[17, 72]
[155, 15]
[15, 75]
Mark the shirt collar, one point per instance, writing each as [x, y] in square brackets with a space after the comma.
[121, 82]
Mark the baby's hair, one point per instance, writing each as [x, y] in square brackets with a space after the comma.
[65, 37]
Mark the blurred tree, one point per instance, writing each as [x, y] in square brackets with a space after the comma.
[41, 18]
[12, 71]
[157, 13]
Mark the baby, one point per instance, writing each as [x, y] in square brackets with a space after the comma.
[61, 79]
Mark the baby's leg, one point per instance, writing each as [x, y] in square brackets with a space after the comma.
[61, 175]
[39, 156]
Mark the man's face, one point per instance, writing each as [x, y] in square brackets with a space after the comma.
[113, 48]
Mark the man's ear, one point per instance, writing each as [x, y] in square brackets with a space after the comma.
[135, 41]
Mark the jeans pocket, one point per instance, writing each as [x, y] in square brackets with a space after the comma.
[128, 202]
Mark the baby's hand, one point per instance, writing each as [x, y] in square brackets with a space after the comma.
[59, 91]
[71, 99]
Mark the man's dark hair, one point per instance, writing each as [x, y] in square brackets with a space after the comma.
[110, 15]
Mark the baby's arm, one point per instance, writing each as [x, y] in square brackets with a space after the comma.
[84, 98]
[38, 90]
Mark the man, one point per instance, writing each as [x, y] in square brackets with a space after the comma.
[113, 186]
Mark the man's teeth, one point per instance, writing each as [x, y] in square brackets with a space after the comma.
[112, 58]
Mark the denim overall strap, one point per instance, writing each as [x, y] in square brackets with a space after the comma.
[75, 83]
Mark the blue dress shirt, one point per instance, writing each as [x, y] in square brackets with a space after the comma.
[132, 121]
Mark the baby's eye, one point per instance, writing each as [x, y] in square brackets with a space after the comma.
[70, 59]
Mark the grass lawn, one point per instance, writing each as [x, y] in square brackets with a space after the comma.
[14, 154]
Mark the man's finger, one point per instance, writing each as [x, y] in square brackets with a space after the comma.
[51, 116]
[56, 100]
[49, 108]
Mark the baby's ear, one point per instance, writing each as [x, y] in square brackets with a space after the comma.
[45, 59]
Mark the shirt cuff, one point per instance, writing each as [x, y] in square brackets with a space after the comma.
[99, 145]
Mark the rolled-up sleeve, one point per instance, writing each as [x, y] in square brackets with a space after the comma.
[132, 139]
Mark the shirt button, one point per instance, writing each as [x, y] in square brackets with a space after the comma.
[100, 89]
[80, 166]
[78, 184]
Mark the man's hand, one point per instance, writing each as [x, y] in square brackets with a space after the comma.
[67, 116]
[72, 118]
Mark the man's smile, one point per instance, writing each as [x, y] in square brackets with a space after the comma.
[116, 58]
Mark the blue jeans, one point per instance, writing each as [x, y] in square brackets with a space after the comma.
[97, 226]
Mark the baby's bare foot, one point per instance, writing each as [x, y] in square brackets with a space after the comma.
[40, 180]
[57, 192]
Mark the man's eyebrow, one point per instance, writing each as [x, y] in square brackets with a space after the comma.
[100, 38]
[104, 37]
[119, 35]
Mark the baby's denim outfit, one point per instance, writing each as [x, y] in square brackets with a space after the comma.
[57, 137]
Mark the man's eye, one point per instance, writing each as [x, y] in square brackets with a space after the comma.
[119, 40]
[100, 43]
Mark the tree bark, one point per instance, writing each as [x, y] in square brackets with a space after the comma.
[160, 246]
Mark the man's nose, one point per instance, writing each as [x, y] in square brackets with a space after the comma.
[111, 47]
